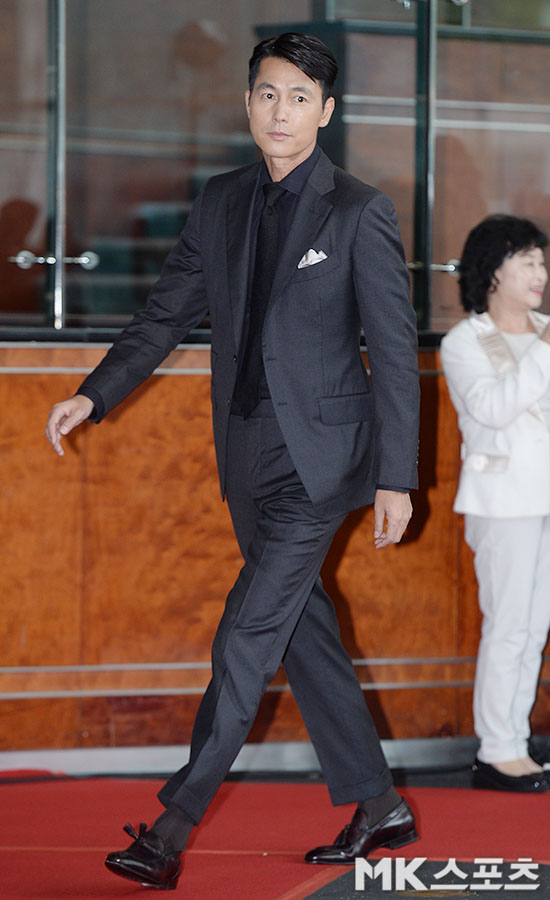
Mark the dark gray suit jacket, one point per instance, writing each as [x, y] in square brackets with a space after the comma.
[346, 432]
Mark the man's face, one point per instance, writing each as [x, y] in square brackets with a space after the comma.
[285, 109]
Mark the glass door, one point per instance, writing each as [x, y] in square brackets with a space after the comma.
[142, 109]
[491, 130]
[137, 111]
[388, 122]
[112, 116]
[154, 108]
[446, 109]
[24, 213]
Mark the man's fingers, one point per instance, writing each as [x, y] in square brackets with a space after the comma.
[55, 442]
[52, 429]
[392, 508]
[392, 535]
[69, 422]
[379, 516]
[64, 417]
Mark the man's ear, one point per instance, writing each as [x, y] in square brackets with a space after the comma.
[328, 110]
[247, 102]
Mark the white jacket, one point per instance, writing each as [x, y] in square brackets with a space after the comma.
[506, 440]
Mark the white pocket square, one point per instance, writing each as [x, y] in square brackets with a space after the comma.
[312, 257]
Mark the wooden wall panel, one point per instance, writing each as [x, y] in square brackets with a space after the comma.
[41, 530]
[163, 552]
[389, 589]
[39, 724]
[118, 557]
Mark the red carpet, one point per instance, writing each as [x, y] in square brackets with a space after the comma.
[54, 835]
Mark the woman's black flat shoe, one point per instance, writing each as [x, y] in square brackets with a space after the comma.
[489, 778]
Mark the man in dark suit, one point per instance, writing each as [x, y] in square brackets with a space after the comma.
[291, 257]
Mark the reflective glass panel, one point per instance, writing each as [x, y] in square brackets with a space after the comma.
[155, 107]
[492, 146]
[373, 10]
[527, 14]
[448, 11]
[23, 160]
[380, 119]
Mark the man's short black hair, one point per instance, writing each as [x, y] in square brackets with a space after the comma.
[305, 51]
[486, 248]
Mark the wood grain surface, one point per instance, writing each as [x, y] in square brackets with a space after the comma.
[118, 557]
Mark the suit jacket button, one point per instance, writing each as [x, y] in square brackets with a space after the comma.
[228, 401]
[234, 359]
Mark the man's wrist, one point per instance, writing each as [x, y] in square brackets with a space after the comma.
[98, 410]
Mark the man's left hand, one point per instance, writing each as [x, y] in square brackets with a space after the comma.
[393, 510]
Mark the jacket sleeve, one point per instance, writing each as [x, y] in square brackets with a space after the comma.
[493, 400]
[382, 288]
[177, 303]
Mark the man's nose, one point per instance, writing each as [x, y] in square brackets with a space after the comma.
[280, 112]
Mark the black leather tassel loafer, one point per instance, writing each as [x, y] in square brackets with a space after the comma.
[488, 777]
[146, 861]
[357, 840]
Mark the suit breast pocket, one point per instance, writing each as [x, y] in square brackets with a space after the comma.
[318, 269]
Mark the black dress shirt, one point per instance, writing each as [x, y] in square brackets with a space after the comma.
[293, 183]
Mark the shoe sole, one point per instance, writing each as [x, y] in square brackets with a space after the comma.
[122, 872]
[394, 844]
[408, 838]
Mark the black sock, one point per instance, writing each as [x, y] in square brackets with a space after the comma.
[174, 827]
[378, 807]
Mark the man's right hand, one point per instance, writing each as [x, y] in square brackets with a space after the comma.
[64, 417]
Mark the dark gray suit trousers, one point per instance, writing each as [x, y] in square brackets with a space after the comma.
[277, 612]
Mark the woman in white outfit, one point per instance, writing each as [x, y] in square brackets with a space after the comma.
[497, 365]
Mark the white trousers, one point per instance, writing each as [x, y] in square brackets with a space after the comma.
[512, 563]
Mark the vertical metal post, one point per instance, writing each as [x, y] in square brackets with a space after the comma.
[57, 151]
[466, 15]
[426, 37]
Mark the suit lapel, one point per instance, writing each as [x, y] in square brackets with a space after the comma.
[240, 205]
[311, 213]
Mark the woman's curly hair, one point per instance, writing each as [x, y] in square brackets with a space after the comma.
[486, 248]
